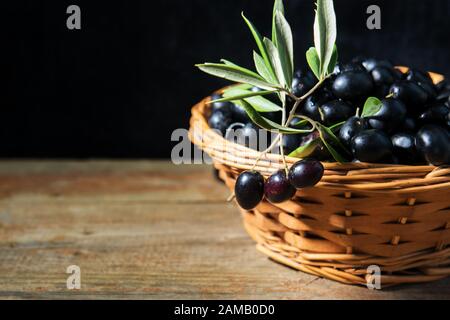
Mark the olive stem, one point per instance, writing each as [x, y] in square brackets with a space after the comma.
[299, 100]
[283, 120]
[263, 153]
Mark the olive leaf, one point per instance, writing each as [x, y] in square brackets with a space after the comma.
[336, 126]
[255, 99]
[266, 123]
[330, 134]
[238, 93]
[327, 133]
[277, 7]
[371, 107]
[285, 46]
[313, 61]
[274, 57]
[305, 150]
[261, 47]
[325, 33]
[333, 60]
[263, 69]
[235, 73]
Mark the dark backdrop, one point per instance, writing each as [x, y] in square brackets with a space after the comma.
[121, 84]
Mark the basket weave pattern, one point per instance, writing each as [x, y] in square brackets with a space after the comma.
[394, 216]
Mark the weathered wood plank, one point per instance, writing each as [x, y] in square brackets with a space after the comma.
[146, 230]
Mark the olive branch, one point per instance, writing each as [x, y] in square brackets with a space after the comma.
[274, 65]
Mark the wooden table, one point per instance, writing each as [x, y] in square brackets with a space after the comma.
[140, 229]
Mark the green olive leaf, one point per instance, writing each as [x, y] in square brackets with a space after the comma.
[330, 135]
[278, 6]
[236, 93]
[327, 133]
[261, 47]
[285, 46]
[305, 150]
[235, 73]
[255, 99]
[371, 107]
[262, 68]
[274, 57]
[325, 33]
[266, 123]
[333, 61]
[313, 61]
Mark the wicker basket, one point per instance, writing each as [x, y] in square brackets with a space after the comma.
[393, 216]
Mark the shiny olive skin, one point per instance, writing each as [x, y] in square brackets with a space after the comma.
[350, 128]
[409, 92]
[352, 66]
[335, 111]
[274, 116]
[418, 76]
[405, 148]
[220, 121]
[248, 135]
[372, 146]
[433, 142]
[436, 114]
[277, 188]
[443, 95]
[390, 116]
[371, 64]
[383, 76]
[409, 125]
[319, 152]
[224, 107]
[305, 173]
[239, 114]
[313, 102]
[303, 82]
[249, 189]
[291, 142]
[353, 85]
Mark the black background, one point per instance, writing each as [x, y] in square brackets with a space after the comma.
[119, 86]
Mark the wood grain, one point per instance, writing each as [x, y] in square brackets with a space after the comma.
[145, 230]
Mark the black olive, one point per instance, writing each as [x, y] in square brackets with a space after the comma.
[291, 142]
[429, 89]
[353, 85]
[249, 189]
[443, 95]
[372, 146]
[433, 142]
[352, 66]
[436, 114]
[306, 173]
[303, 82]
[371, 64]
[351, 127]
[277, 188]
[409, 92]
[418, 76]
[383, 76]
[335, 111]
[405, 148]
[239, 114]
[220, 121]
[224, 107]
[313, 102]
[409, 125]
[391, 114]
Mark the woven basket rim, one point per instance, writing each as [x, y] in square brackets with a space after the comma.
[380, 177]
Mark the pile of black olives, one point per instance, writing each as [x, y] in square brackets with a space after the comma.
[411, 128]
